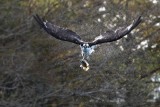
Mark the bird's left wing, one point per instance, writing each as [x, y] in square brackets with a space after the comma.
[110, 36]
[59, 32]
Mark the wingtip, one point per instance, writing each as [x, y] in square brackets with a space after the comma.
[139, 18]
[36, 16]
[38, 20]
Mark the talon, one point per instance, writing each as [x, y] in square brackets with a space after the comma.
[84, 65]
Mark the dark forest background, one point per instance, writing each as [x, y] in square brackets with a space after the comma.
[37, 70]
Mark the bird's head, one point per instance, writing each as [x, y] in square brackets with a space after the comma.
[85, 45]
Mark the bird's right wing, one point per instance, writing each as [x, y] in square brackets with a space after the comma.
[58, 32]
[110, 36]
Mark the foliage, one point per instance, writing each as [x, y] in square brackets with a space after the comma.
[37, 70]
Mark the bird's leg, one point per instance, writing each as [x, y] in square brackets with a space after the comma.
[87, 58]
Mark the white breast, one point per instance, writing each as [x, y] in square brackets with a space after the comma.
[86, 51]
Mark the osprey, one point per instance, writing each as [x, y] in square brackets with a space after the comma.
[86, 47]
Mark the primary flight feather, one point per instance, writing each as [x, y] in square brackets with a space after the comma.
[86, 47]
[58, 32]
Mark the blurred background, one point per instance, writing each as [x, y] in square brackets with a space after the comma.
[37, 70]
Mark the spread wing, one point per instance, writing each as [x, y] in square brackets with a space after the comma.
[58, 32]
[110, 36]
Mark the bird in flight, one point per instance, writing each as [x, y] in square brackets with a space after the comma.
[87, 48]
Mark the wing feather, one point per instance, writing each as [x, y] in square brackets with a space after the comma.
[58, 32]
[110, 36]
